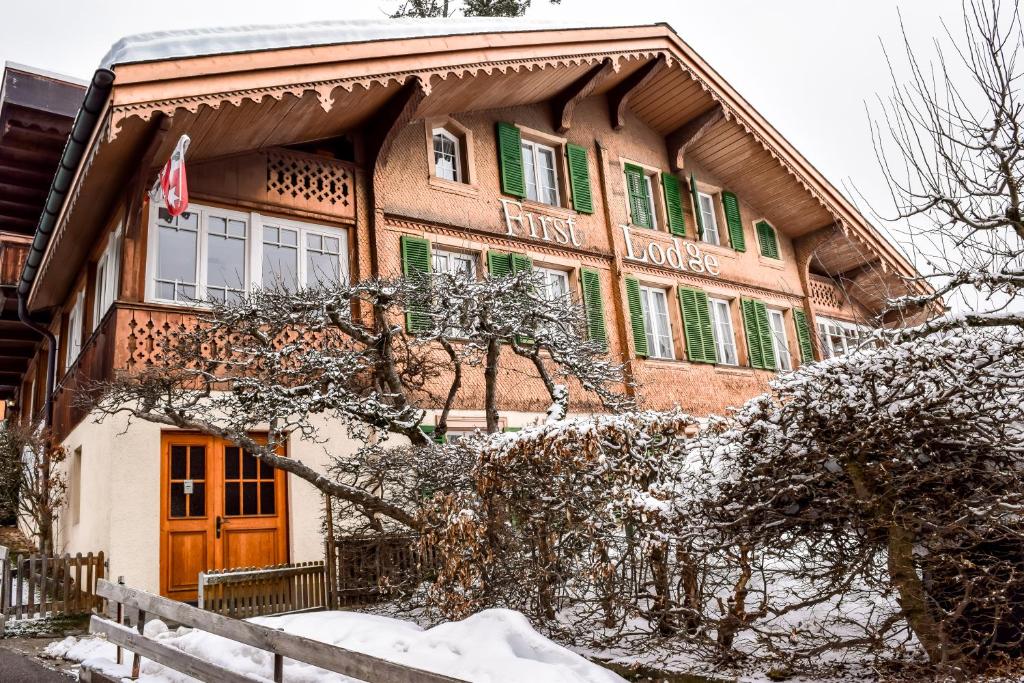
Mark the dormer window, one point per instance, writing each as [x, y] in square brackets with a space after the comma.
[447, 156]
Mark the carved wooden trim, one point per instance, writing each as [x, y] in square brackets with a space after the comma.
[689, 133]
[618, 97]
[565, 102]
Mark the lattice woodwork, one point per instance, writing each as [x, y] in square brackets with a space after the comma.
[826, 294]
[323, 184]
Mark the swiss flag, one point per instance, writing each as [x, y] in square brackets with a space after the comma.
[173, 183]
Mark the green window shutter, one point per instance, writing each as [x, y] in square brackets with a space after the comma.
[499, 264]
[803, 335]
[731, 207]
[593, 305]
[636, 317]
[415, 259]
[520, 263]
[510, 160]
[764, 329]
[431, 432]
[768, 239]
[759, 334]
[673, 204]
[639, 206]
[697, 329]
[696, 207]
[512, 429]
[579, 178]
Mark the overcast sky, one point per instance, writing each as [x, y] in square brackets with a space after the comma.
[808, 66]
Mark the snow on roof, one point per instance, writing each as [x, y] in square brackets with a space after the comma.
[144, 47]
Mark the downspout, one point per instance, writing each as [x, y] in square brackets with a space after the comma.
[82, 133]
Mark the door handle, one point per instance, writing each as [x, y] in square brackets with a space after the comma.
[220, 523]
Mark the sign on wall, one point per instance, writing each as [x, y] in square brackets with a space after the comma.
[679, 256]
[520, 223]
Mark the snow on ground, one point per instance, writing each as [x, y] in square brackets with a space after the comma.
[494, 646]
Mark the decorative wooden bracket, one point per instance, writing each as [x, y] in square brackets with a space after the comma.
[394, 116]
[618, 97]
[689, 133]
[565, 102]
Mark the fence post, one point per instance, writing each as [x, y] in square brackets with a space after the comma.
[5, 586]
[201, 601]
[330, 551]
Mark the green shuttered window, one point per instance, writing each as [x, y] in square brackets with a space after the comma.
[500, 264]
[639, 202]
[593, 305]
[731, 207]
[579, 179]
[759, 334]
[768, 239]
[636, 317]
[415, 259]
[510, 160]
[673, 204]
[431, 432]
[803, 335]
[697, 328]
[696, 206]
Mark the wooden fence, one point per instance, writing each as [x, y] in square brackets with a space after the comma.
[254, 592]
[35, 586]
[280, 644]
[366, 569]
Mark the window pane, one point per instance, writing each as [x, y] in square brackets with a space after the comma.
[280, 258]
[266, 471]
[725, 339]
[445, 157]
[782, 357]
[197, 501]
[267, 498]
[176, 260]
[529, 172]
[231, 468]
[197, 463]
[178, 500]
[178, 463]
[324, 269]
[248, 465]
[548, 176]
[225, 263]
[650, 200]
[249, 498]
[232, 499]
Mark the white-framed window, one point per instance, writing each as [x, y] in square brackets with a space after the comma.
[454, 263]
[783, 360]
[447, 156]
[709, 219]
[540, 170]
[725, 338]
[654, 304]
[108, 277]
[75, 330]
[556, 282]
[837, 337]
[214, 254]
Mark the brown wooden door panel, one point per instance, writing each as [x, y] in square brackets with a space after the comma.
[219, 508]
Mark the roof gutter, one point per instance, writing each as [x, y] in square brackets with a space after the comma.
[74, 150]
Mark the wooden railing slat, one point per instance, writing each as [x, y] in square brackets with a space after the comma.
[316, 653]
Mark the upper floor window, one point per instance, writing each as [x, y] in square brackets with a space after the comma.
[708, 218]
[108, 271]
[210, 254]
[75, 330]
[454, 263]
[447, 156]
[725, 338]
[654, 305]
[556, 282]
[783, 360]
[640, 190]
[767, 239]
[838, 338]
[540, 172]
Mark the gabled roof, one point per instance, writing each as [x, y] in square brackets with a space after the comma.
[235, 90]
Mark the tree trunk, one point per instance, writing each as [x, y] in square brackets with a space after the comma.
[662, 600]
[491, 385]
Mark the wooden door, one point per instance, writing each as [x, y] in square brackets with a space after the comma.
[220, 508]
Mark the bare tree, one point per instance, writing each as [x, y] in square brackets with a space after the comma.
[34, 490]
[951, 145]
[425, 9]
[285, 362]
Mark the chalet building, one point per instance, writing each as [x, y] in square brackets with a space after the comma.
[708, 252]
